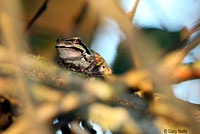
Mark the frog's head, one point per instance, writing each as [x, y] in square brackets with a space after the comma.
[67, 49]
[63, 42]
[73, 43]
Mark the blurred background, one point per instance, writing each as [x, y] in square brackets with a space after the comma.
[161, 20]
[156, 29]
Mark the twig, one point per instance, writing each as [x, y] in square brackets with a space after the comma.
[13, 39]
[37, 15]
[185, 72]
[169, 62]
[78, 19]
[82, 14]
[192, 31]
[147, 55]
[192, 44]
[131, 14]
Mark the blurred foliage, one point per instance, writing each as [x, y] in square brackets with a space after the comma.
[167, 41]
[43, 44]
[123, 58]
[53, 23]
[35, 92]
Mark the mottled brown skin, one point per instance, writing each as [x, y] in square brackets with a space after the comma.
[76, 56]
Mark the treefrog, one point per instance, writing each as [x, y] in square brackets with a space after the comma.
[76, 56]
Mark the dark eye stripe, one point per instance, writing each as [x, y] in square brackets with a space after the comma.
[82, 44]
[86, 48]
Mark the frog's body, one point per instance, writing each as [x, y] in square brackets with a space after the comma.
[76, 56]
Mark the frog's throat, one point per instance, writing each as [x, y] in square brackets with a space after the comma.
[75, 48]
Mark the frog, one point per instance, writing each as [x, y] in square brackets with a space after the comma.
[74, 54]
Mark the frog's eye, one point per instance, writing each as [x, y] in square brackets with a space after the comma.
[76, 41]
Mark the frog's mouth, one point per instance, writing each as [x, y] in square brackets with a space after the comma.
[60, 46]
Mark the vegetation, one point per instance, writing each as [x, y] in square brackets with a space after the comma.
[35, 91]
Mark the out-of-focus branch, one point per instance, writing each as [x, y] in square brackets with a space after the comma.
[184, 72]
[171, 60]
[189, 45]
[66, 99]
[13, 39]
[192, 44]
[187, 33]
[131, 16]
[55, 91]
[132, 12]
[82, 13]
[143, 47]
[37, 15]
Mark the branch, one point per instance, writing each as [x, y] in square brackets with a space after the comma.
[192, 44]
[37, 15]
[12, 40]
[131, 14]
[185, 72]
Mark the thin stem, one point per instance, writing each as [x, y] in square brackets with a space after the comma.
[37, 15]
[131, 14]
